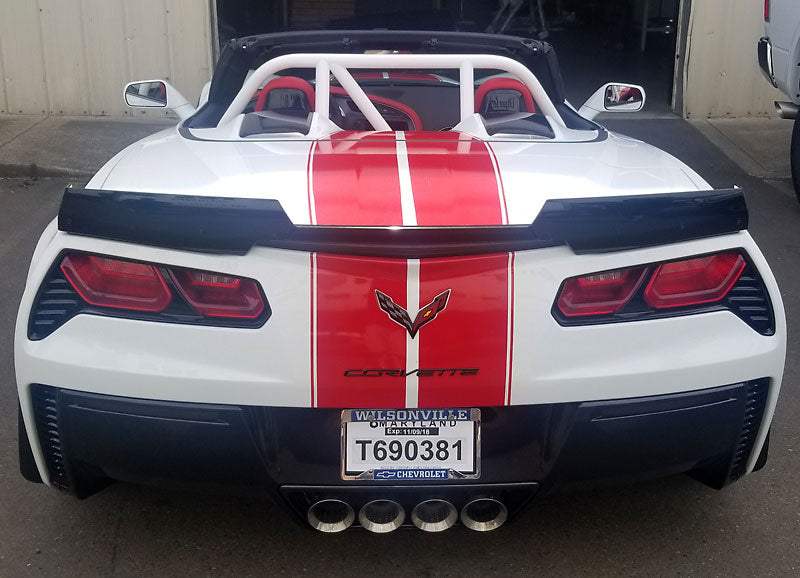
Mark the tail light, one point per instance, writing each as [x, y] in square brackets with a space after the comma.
[766, 10]
[219, 295]
[600, 293]
[694, 281]
[151, 291]
[704, 283]
[113, 283]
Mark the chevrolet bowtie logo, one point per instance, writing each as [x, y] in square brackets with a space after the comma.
[401, 316]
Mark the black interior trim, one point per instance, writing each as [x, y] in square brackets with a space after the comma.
[271, 122]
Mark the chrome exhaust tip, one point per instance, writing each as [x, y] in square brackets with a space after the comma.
[331, 515]
[787, 110]
[434, 515]
[381, 516]
[484, 514]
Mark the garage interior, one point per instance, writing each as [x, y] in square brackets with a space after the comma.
[597, 41]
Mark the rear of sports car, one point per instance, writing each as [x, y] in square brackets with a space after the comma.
[396, 326]
[368, 372]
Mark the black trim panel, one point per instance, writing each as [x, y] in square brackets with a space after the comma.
[765, 60]
[89, 438]
[234, 225]
[514, 496]
[187, 222]
[601, 224]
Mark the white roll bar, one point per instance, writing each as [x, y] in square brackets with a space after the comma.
[338, 64]
[359, 97]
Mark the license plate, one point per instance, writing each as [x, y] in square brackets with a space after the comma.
[410, 444]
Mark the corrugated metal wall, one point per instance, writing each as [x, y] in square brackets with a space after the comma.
[722, 77]
[74, 56]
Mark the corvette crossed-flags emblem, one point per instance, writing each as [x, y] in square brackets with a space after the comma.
[401, 316]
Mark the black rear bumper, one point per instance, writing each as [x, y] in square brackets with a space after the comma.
[293, 453]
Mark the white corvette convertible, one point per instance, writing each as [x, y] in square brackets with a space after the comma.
[395, 278]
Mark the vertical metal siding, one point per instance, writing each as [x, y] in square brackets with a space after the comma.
[3, 98]
[23, 57]
[74, 56]
[722, 77]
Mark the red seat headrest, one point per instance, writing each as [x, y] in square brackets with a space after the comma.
[285, 82]
[503, 83]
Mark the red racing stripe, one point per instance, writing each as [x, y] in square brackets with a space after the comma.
[454, 180]
[352, 332]
[472, 331]
[355, 181]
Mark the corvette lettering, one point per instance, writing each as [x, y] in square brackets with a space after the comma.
[401, 316]
[435, 372]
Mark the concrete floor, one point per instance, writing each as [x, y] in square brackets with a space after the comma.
[669, 527]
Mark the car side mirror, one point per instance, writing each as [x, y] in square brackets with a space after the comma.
[614, 97]
[157, 94]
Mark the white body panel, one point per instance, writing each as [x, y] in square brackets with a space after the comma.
[277, 169]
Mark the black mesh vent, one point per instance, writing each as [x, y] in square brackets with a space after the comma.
[748, 299]
[56, 303]
[45, 409]
[753, 414]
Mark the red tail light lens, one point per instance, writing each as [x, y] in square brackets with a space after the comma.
[217, 295]
[600, 293]
[113, 283]
[694, 281]
[766, 10]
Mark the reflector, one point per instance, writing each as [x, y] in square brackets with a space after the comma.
[694, 281]
[217, 295]
[600, 293]
[114, 283]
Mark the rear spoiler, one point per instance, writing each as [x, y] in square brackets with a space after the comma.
[234, 225]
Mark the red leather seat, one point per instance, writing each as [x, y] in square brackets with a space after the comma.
[285, 82]
[503, 83]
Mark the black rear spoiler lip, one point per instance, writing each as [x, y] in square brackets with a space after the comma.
[229, 225]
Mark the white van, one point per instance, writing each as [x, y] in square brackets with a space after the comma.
[779, 58]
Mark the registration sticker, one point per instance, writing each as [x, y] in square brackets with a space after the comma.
[410, 444]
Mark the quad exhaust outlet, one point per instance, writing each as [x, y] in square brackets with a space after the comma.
[434, 515]
[484, 514]
[384, 515]
[381, 516]
[331, 516]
